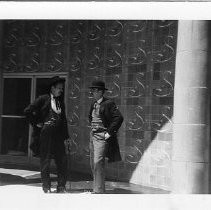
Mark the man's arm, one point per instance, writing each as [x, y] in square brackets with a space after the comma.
[116, 119]
[32, 110]
[90, 112]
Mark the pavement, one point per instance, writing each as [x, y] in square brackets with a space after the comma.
[78, 183]
[21, 189]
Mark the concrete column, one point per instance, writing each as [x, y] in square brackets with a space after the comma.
[1, 79]
[190, 157]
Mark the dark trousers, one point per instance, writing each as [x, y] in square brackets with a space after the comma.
[61, 165]
[98, 147]
[52, 147]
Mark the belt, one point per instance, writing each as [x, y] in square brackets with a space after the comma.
[52, 121]
[98, 128]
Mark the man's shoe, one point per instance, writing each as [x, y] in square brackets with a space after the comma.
[46, 190]
[61, 190]
[92, 192]
[98, 192]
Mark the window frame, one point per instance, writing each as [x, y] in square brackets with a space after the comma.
[33, 76]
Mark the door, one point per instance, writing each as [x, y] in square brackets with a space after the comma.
[15, 129]
[41, 86]
[18, 93]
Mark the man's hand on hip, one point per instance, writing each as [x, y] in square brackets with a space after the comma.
[107, 135]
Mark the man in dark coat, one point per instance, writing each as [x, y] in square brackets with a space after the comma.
[105, 119]
[47, 116]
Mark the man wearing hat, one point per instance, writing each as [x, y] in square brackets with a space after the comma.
[105, 119]
[47, 114]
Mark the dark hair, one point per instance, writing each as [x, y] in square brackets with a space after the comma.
[56, 80]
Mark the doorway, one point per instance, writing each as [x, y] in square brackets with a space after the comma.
[18, 92]
[15, 130]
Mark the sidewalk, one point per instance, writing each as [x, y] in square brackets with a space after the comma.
[21, 190]
[79, 183]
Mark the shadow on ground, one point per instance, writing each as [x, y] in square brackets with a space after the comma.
[9, 179]
[78, 183]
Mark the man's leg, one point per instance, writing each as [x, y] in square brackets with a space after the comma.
[98, 146]
[45, 158]
[45, 174]
[61, 164]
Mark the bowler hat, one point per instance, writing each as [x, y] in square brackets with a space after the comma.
[98, 84]
[55, 80]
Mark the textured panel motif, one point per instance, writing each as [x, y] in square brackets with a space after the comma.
[34, 37]
[136, 26]
[55, 41]
[149, 95]
[13, 34]
[138, 89]
[12, 42]
[165, 118]
[115, 29]
[166, 87]
[76, 60]
[32, 42]
[74, 91]
[135, 152]
[76, 33]
[33, 64]
[73, 119]
[139, 55]
[114, 58]
[56, 62]
[136, 58]
[164, 53]
[114, 87]
[95, 32]
[11, 65]
[57, 35]
[94, 61]
[137, 121]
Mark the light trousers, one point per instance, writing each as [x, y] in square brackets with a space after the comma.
[98, 148]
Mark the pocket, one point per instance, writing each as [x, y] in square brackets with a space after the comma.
[99, 136]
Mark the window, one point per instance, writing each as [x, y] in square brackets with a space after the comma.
[19, 92]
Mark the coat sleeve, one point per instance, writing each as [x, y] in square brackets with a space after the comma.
[90, 112]
[32, 111]
[116, 119]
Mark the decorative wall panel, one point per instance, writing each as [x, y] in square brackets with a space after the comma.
[135, 58]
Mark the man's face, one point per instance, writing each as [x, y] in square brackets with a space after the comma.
[97, 94]
[57, 89]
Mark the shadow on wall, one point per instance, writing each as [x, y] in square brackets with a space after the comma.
[153, 167]
[146, 160]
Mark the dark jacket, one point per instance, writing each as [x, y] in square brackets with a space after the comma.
[38, 112]
[112, 119]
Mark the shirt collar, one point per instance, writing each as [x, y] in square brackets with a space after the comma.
[100, 100]
[52, 97]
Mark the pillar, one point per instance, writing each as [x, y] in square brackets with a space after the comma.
[1, 78]
[190, 146]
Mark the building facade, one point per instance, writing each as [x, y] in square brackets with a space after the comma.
[137, 61]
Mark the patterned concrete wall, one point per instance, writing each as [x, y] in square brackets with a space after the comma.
[137, 61]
